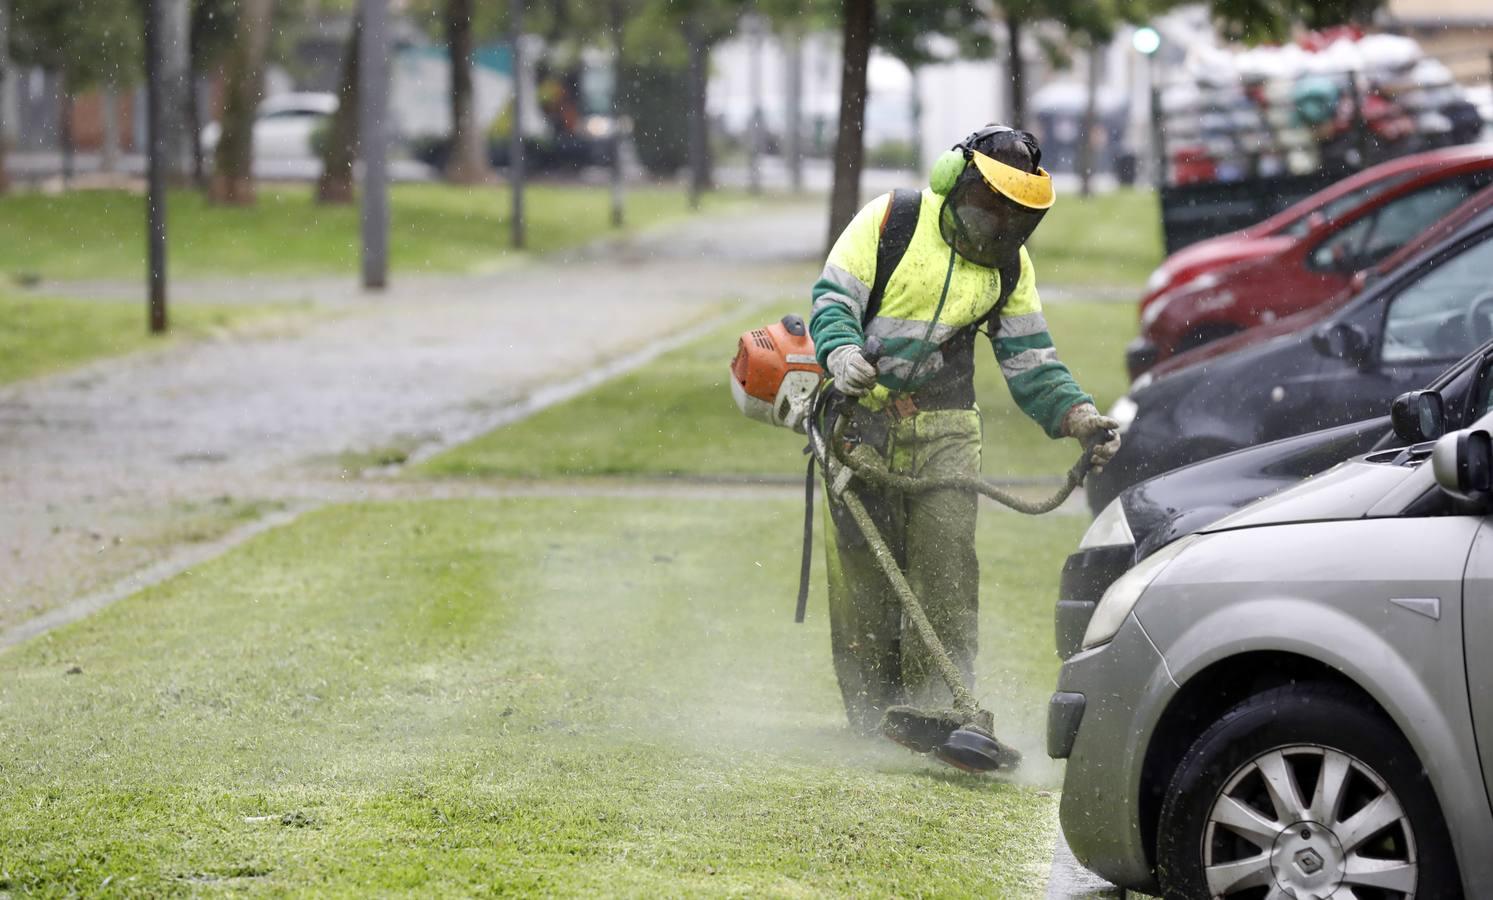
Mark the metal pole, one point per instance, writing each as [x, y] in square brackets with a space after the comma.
[516, 139]
[755, 27]
[373, 94]
[614, 8]
[155, 171]
[793, 129]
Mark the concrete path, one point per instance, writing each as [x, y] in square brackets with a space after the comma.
[100, 466]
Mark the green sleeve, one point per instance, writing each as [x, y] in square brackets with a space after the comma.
[1040, 384]
[844, 287]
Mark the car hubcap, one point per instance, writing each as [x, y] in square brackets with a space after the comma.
[1308, 822]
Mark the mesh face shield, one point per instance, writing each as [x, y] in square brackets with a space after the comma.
[993, 209]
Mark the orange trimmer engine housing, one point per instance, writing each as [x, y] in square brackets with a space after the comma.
[774, 375]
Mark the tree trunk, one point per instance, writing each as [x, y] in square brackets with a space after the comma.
[699, 127]
[1017, 85]
[335, 185]
[916, 113]
[65, 133]
[793, 111]
[194, 120]
[109, 110]
[1089, 126]
[850, 151]
[243, 86]
[176, 83]
[7, 87]
[614, 16]
[518, 230]
[468, 160]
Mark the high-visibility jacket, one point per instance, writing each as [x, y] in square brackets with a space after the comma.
[919, 355]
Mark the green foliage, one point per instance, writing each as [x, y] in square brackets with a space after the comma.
[102, 45]
[905, 30]
[654, 97]
[1261, 21]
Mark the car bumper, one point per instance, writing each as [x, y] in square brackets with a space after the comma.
[1102, 715]
[1140, 355]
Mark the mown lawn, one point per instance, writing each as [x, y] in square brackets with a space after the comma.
[572, 696]
[1109, 239]
[46, 334]
[439, 228]
[675, 416]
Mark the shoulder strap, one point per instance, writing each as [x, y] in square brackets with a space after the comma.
[897, 228]
[1010, 271]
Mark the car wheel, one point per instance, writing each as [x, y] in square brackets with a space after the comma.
[1303, 791]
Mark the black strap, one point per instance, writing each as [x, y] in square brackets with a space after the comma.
[896, 235]
[1010, 272]
[803, 569]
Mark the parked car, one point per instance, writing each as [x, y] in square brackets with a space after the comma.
[285, 125]
[1270, 235]
[1292, 700]
[1394, 335]
[1448, 224]
[1298, 273]
[1150, 515]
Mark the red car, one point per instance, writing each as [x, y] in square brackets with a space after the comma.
[1479, 202]
[1256, 276]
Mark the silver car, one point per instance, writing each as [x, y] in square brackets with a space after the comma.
[1296, 701]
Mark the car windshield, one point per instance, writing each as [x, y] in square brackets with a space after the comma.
[1331, 210]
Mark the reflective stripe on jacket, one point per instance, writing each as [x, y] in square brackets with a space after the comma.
[922, 356]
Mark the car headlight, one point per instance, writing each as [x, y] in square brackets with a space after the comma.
[1122, 596]
[1110, 528]
[1153, 311]
[1158, 280]
[1124, 412]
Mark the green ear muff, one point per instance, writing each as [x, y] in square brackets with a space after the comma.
[946, 170]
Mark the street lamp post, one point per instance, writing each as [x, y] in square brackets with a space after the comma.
[155, 171]
[373, 94]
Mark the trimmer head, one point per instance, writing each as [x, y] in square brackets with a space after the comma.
[973, 749]
[945, 734]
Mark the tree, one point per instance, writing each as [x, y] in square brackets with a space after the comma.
[858, 34]
[335, 184]
[102, 47]
[243, 87]
[909, 34]
[468, 161]
[1259, 21]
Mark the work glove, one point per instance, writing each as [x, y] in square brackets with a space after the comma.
[854, 374]
[1084, 423]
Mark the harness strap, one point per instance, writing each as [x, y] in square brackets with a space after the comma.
[808, 556]
[897, 228]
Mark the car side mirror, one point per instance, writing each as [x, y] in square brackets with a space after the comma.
[1462, 463]
[1342, 340]
[1418, 416]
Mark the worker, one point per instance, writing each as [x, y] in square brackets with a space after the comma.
[963, 268]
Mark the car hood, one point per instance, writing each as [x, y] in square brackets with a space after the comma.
[1346, 491]
[1207, 256]
[1198, 497]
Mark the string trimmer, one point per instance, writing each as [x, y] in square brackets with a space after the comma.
[775, 379]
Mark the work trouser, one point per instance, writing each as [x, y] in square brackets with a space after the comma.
[879, 659]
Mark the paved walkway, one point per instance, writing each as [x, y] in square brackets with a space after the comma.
[100, 466]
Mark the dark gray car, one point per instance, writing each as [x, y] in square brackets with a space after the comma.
[1294, 700]
[1394, 336]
